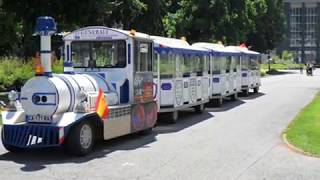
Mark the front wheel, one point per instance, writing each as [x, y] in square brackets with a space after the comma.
[80, 141]
[256, 90]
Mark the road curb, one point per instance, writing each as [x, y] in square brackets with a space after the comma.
[296, 149]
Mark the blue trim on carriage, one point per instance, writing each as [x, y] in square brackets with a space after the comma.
[180, 51]
[67, 64]
[49, 74]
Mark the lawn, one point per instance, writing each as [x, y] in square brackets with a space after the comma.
[304, 130]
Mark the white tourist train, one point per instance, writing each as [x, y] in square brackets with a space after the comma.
[116, 82]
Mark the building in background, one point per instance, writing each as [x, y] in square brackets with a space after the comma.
[302, 30]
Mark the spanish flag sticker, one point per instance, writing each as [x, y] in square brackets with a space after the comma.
[102, 105]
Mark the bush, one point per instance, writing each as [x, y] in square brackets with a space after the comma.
[14, 73]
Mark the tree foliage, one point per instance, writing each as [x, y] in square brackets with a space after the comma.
[259, 23]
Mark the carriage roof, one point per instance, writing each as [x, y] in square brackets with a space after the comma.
[216, 48]
[243, 50]
[166, 45]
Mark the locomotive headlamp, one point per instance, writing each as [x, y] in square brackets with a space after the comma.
[12, 96]
[81, 106]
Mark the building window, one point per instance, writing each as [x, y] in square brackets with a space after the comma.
[295, 26]
[311, 24]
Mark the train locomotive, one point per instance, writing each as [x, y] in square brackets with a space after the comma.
[74, 109]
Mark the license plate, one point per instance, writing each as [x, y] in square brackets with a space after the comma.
[38, 118]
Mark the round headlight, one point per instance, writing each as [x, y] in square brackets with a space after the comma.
[13, 95]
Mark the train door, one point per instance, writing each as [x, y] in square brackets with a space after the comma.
[217, 82]
[194, 81]
[166, 86]
[186, 78]
[233, 70]
[178, 80]
[238, 74]
[206, 79]
[143, 75]
[224, 75]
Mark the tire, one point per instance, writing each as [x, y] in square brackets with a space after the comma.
[145, 131]
[217, 102]
[8, 147]
[234, 97]
[256, 90]
[199, 109]
[246, 92]
[81, 138]
[173, 117]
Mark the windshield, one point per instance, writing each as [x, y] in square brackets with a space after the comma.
[111, 54]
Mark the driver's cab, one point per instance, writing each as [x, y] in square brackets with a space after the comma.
[123, 58]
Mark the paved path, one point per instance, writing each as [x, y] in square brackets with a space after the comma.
[242, 140]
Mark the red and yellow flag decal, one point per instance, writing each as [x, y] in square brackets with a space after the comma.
[102, 105]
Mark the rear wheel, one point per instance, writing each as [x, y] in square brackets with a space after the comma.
[199, 109]
[234, 97]
[256, 89]
[81, 139]
[245, 92]
[217, 102]
[8, 147]
[173, 117]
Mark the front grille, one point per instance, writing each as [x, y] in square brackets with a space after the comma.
[31, 135]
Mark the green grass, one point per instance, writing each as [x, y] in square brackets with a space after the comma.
[280, 66]
[304, 130]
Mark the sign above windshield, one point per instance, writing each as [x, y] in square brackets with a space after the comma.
[95, 34]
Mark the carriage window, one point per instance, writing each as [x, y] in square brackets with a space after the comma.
[216, 65]
[142, 56]
[186, 65]
[228, 63]
[166, 66]
[111, 54]
[233, 64]
[223, 64]
[244, 63]
[206, 64]
[179, 63]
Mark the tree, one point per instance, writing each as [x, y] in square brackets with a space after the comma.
[269, 27]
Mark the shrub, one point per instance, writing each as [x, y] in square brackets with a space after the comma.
[14, 73]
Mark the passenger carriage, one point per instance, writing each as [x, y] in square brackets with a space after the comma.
[106, 91]
[182, 76]
[250, 71]
[225, 71]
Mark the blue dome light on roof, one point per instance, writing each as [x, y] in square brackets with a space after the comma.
[45, 26]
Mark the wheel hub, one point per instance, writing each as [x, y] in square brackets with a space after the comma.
[85, 136]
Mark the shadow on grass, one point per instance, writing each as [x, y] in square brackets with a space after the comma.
[38, 159]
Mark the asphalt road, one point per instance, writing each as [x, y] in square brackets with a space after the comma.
[242, 140]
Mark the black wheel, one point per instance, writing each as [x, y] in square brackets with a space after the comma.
[199, 109]
[234, 97]
[173, 117]
[256, 89]
[246, 92]
[8, 147]
[145, 131]
[217, 102]
[81, 139]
